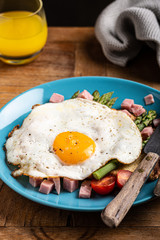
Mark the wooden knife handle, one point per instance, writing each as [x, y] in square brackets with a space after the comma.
[157, 188]
[116, 210]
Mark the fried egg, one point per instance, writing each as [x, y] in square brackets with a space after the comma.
[72, 139]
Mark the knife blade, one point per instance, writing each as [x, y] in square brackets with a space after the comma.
[154, 146]
[116, 210]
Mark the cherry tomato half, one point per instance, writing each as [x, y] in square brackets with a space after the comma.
[122, 177]
[105, 185]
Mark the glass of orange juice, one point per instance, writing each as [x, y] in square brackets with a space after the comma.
[23, 30]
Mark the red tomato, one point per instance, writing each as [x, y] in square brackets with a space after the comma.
[105, 185]
[122, 177]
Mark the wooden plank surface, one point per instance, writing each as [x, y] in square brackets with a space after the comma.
[72, 52]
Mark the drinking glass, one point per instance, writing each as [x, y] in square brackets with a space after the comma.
[23, 30]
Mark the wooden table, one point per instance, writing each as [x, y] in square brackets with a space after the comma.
[72, 52]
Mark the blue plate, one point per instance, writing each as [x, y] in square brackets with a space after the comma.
[16, 110]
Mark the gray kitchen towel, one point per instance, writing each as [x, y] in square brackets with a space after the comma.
[125, 25]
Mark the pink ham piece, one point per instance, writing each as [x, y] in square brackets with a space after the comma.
[127, 104]
[126, 111]
[86, 95]
[46, 187]
[70, 184]
[85, 189]
[149, 99]
[146, 132]
[156, 122]
[57, 183]
[35, 182]
[137, 110]
[56, 98]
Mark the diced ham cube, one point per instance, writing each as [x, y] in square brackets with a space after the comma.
[46, 187]
[70, 184]
[85, 189]
[149, 99]
[129, 114]
[146, 132]
[86, 95]
[35, 182]
[57, 183]
[56, 98]
[156, 122]
[126, 111]
[137, 110]
[127, 104]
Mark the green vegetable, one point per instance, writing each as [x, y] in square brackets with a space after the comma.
[139, 119]
[96, 95]
[144, 115]
[145, 142]
[146, 119]
[149, 117]
[111, 102]
[104, 99]
[141, 126]
[75, 95]
[101, 172]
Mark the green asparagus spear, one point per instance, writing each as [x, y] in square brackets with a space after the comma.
[149, 117]
[105, 98]
[75, 95]
[144, 115]
[146, 119]
[138, 120]
[111, 102]
[147, 122]
[141, 126]
[96, 95]
[101, 172]
[145, 142]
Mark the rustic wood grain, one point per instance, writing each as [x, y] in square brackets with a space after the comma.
[63, 233]
[89, 59]
[143, 68]
[34, 214]
[72, 52]
[68, 34]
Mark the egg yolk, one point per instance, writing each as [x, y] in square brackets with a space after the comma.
[73, 147]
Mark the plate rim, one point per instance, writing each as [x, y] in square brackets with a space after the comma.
[81, 77]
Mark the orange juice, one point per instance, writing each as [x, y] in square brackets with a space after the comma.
[22, 33]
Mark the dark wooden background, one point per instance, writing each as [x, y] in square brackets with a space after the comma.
[73, 12]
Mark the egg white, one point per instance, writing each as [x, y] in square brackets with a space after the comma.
[114, 133]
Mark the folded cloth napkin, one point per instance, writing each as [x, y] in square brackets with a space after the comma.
[125, 25]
